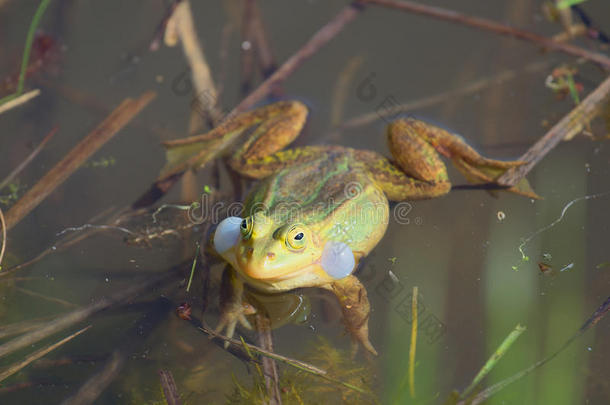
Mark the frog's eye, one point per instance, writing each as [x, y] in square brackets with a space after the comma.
[245, 227]
[295, 238]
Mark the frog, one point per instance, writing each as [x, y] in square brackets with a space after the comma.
[316, 211]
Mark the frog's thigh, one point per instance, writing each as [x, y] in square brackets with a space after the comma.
[415, 156]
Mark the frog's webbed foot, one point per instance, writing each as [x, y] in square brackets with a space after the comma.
[233, 308]
[355, 306]
[231, 315]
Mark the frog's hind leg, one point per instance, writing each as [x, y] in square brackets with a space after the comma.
[277, 124]
[416, 147]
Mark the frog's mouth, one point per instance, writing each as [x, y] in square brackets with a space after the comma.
[336, 262]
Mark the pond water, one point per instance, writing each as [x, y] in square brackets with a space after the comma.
[461, 251]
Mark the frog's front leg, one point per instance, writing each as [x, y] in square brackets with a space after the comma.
[355, 306]
[233, 308]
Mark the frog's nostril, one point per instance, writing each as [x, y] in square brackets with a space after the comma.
[249, 252]
[270, 255]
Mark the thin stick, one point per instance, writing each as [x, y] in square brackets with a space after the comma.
[473, 87]
[3, 248]
[489, 25]
[568, 126]
[28, 159]
[45, 297]
[120, 117]
[318, 40]
[9, 371]
[17, 101]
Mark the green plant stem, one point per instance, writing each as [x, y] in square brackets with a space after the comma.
[188, 286]
[495, 357]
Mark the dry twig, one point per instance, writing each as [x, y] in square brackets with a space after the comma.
[489, 25]
[180, 27]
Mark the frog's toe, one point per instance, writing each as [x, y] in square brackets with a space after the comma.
[490, 171]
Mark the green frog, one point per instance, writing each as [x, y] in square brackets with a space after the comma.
[318, 210]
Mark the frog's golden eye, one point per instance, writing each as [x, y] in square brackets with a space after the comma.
[296, 238]
[246, 228]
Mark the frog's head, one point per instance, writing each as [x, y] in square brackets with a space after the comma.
[268, 250]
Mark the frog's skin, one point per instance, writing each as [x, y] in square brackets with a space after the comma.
[333, 193]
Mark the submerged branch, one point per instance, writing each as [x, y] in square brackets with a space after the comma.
[489, 25]
[28, 159]
[120, 117]
[9, 371]
[318, 40]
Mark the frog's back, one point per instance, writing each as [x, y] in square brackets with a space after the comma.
[333, 195]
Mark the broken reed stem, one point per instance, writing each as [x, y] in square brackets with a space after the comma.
[181, 27]
[319, 39]
[485, 394]
[493, 360]
[3, 248]
[413, 343]
[570, 125]
[19, 100]
[489, 25]
[9, 371]
[28, 159]
[120, 117]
